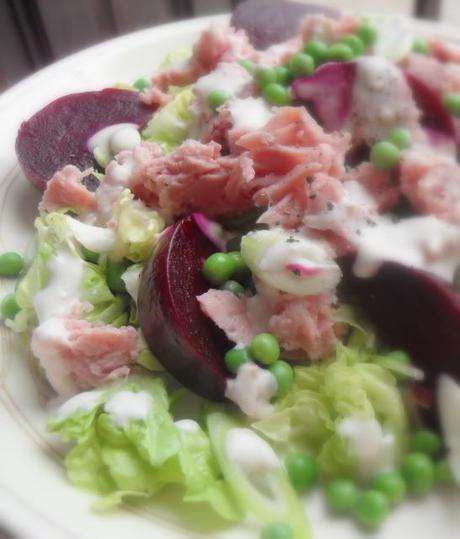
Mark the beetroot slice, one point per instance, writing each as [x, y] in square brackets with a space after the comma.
[434, 114]
[268, 22]
[412, 310]
[184, 340]
[330, 92]
[58, 134]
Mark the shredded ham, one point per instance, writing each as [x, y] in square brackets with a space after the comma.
[431, 182]
[443, 50]
[79, 354]
[154, 96]
[66, 190]
[440, 77]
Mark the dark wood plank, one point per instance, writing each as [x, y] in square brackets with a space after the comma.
[135, 14]
[210, 7]
[428, 9]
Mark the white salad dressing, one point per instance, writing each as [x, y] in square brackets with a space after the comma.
[132, 279]
[62, 292]
[250, 113]
[113, 139]
[43, 346]
[252, 390]
[448, 392]
[94, 238]
[126, 406]
[395, 36]
[379, 103]
[249, 451]
[187, 425]
[374, 449]
[82, 402]
[230, 77]
[353, 213]
[425, 243]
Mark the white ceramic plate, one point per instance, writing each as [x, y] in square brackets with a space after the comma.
[35, 499]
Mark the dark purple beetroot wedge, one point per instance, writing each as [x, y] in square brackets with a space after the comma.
[329, 91]
[268, 22]
[434, 115]
[184, 340]
[58, 134]
[412, 310]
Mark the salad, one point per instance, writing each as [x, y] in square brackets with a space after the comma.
[246, 276]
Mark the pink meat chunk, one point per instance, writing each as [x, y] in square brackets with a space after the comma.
[382, 185]
[215, 45]
[66, 190]
[82, 354]
[432, 184]
[305, 324]
[440, 77]
[229, 312]
[444, 50]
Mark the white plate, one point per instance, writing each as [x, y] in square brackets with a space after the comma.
[35, 499]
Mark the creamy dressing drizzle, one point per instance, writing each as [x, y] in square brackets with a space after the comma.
[187, 425]
[82, 402]
[62, 292]
[126, 406]
[250, 113]
[252, 390]
[250, 452]
[425, 243]
[230, 77]
[94, 238]
[113, 139]
[374, 450]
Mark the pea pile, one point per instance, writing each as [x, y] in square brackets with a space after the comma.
[228, 271]
[11, 265]
[386, 153]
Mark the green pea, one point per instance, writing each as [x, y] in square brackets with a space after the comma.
[236, 357]
[443, 473]
[248, 65]
[418, 472]
[141, 84]
[301, 65]
[265, 348]
[452, 103]
[385, 155]
[216, 98]
[367, 32]
[392, 485]
[218, 268]
[234, 287]
[283, 75]
[372, 508]
[277, 94]
[317, 50]
[339, 52]
[341, 495]
[427, 442]
[401, 138]
[90, 256]
[302, 470]
[420, 46]
[9, 307]
[241, 271]
[11, 264]
[354, 42]
[265, 76]
[277, 530]
[113, 275]
[284, 375]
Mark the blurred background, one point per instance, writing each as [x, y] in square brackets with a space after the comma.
[34, 33]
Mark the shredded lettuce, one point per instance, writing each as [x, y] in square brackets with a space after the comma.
[171, 124]
[54, 234]
[139, 457]
[137, 229]
[323, 395]
[175, 57]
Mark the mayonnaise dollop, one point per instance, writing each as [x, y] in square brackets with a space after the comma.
[249, 451]
[127, 406]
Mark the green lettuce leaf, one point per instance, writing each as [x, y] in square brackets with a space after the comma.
[137, 229]
[171, 124]
[181, 54]
[349, 385]
[117, 459]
